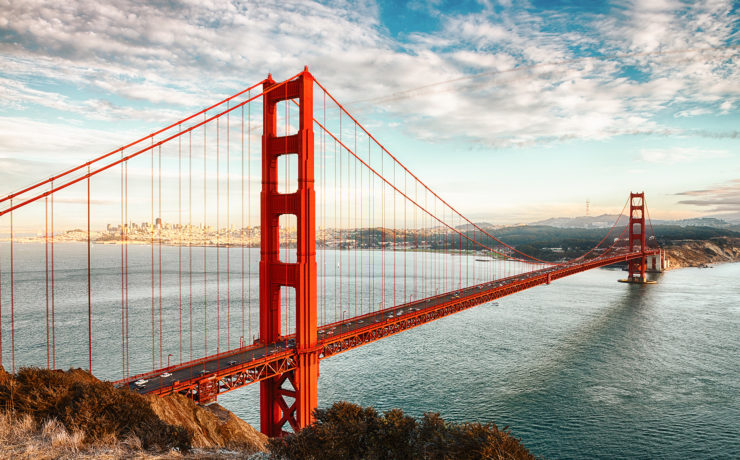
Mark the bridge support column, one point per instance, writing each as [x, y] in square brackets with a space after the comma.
[300, 384]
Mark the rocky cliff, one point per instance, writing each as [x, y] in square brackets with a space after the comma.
[211, 426]
[693, 253]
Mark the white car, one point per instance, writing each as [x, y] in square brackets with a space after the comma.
[141, 382]
[165, 375]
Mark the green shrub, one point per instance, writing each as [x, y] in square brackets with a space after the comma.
[348, 431]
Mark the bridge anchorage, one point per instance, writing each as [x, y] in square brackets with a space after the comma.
[377, 252]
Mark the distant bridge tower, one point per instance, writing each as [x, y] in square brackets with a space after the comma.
[276, 411]
[636, 267]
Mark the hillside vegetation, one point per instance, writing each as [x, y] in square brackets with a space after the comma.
[540, 241]
[56, 414]
[46, 414]
[348, 431]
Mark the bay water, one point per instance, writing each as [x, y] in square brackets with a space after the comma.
[583, 368]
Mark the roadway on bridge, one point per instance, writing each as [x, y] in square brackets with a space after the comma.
[236, 358]
[188, 374]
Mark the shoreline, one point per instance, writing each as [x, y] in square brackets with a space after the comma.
[703, 253]
[680, 254]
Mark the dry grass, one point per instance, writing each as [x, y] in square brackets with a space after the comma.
[211, 426]
[83, 404]
[48, 414]
[21, 438]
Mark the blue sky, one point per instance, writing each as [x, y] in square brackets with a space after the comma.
[513, 111]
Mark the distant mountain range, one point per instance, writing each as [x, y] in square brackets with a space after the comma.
[484, 225]
[731, 217]
[607, 220]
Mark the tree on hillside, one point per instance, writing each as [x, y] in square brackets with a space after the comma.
[348, 431]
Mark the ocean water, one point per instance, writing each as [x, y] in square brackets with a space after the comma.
[583, 368]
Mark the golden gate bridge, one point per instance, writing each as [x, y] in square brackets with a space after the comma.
[353, 247]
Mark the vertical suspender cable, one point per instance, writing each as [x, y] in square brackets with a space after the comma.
[381, 235]
[12, 293]
[249, 216]
[371, 245]
[123, 291]
[358, 225]
[46, 263]
[151, 245]
[205, 246]
[242, 223]
[218, 234]
[341, 210]
[395, 233]
[405, 235]
[53, 319]
[179, 237]
[323, 212]
[190, 241]
[228, 235]
[159, 238]
[89, 286]
[337, 208]
[1, 316]
[125, 237]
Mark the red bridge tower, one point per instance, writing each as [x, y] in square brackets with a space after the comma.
[276, 410]
[636, 267]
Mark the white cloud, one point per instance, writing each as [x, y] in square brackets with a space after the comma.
[503, 78]
[680, 155]
[692, 112]
[721, 199]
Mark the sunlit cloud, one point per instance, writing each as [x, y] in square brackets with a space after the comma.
[680, 155]
[721, 200]
[539, 90]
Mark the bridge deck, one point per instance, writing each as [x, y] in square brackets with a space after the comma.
[236, 368]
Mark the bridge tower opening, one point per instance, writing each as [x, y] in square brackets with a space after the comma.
[289, 398]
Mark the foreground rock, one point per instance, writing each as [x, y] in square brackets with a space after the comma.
[211, 426]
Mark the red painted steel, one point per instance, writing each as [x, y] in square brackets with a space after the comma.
[52, 188]
[286, 362]
[274, 364]
[637, 237]
[120, 149]
[301, 275]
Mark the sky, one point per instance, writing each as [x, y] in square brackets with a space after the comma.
[511, 111]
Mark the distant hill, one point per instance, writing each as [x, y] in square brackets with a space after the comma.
[555, 243]
[607, 220]
[732, 217]
[602, 221]
[484, 225]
